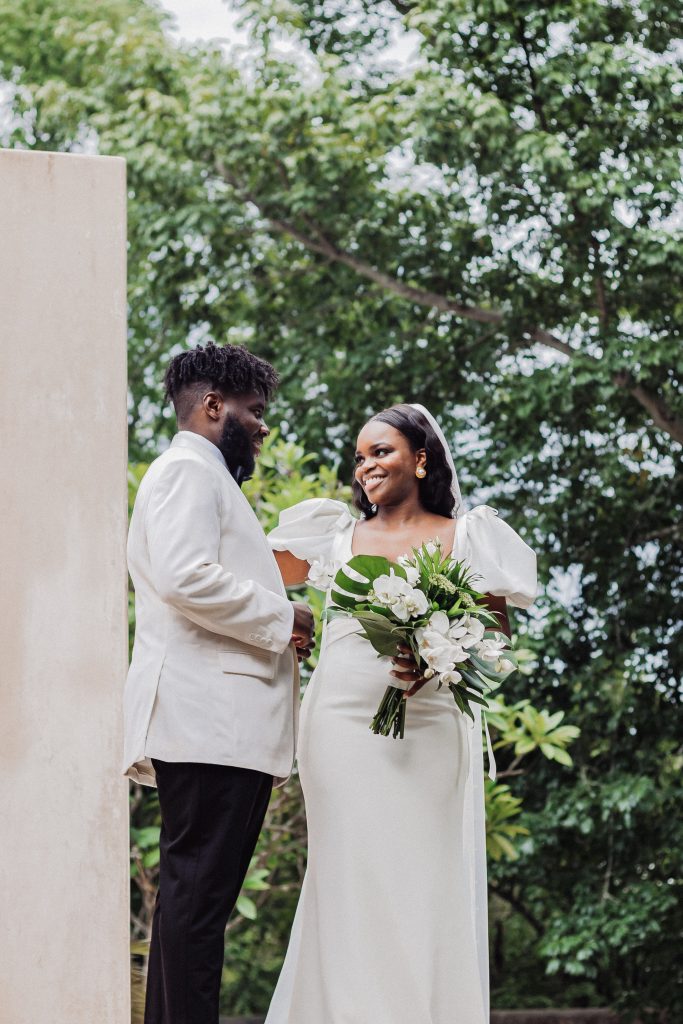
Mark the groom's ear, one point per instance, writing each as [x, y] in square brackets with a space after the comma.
[213, 403]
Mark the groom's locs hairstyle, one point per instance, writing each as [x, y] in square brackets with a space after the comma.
[435, 488]
[230, 369]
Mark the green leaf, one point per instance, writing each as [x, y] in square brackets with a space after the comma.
[477, 698]
[346, 583]
[246, 907]
[344, 600]
[372, 566]
[383, 636]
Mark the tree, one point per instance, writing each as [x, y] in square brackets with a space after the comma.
[491, 230]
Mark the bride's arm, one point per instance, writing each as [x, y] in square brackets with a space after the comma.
[293, 570]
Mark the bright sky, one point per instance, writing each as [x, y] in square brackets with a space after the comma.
[204, 19]
[216, 19]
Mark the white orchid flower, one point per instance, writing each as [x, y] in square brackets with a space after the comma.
[418, 604]
[491, 648]
[433, 638]
[387, 589]
[443, 657]
[321, 574]
[436, 646]
[467, 631]
[428, 637]
[450, 677]
[439, 622]
[504, 666]
[400, 609]
[395, 593]
[411, 570]
[412, 574]
[458, 628]
[458, 653]
[438, 658]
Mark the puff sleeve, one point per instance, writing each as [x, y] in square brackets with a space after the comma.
[505, 564]
[310, 529]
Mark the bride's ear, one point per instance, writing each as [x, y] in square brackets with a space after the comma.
[421, 463]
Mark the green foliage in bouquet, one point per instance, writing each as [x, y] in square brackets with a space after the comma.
[429, 604]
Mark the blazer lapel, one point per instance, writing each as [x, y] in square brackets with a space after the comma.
[210, 453]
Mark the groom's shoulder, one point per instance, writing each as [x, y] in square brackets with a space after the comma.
[176, 464]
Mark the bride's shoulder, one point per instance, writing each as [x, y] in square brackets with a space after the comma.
[482, 513]
[504, 562]
[485, 523]
[308, 528]
[321, 513]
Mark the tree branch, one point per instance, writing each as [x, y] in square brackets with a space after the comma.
[669, 532]
[517, 905]
[401, 6]
[420, 296]
[661, 414]
[535, 98]
[316, 241]
[605, 895]
[600, 296]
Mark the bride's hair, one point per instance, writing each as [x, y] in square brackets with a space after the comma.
[435, 489]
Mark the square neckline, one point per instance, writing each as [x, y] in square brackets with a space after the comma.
[431, 540]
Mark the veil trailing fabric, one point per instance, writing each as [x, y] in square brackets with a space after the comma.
[474, 822]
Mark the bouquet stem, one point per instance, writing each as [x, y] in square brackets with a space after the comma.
[391, 714]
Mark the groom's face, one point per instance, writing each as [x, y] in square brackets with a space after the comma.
[243, 430]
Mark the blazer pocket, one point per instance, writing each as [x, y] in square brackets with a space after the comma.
[248, 663]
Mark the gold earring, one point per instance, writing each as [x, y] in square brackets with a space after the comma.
[421, 472]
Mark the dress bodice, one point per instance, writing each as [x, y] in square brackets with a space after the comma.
[320, 531]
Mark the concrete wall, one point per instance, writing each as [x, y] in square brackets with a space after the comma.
[63, 803]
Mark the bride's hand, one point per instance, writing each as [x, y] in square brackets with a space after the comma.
[407, 670]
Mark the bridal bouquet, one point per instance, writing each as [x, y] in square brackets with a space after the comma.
[428, 603]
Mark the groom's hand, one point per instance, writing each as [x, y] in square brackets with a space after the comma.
[406, 669]
[303, 630]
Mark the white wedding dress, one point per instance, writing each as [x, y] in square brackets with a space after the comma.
[386, 928]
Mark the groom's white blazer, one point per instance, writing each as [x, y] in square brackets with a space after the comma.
[213, 677]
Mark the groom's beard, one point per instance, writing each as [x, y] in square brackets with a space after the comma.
[236, 447]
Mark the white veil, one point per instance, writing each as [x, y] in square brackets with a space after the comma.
[474, 823]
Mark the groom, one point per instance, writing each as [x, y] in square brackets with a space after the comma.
[212, 692]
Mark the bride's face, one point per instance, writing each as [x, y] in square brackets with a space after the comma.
[386, 464]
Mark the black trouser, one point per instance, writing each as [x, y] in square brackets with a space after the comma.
[211, 818]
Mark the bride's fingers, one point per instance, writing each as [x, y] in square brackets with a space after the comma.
[415, 687]
[406, 670]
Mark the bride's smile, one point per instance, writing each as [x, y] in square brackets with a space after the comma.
[371, 482]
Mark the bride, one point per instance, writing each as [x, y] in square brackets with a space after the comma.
[391, 922]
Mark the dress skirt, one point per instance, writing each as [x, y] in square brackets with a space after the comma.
[384, 932]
